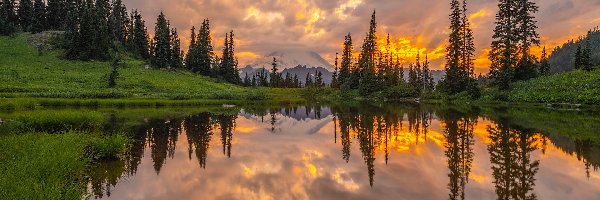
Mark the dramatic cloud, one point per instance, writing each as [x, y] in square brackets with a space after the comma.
[263, 26]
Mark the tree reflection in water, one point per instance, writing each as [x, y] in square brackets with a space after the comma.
[375, 130]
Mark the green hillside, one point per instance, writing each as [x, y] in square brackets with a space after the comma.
[576, 87]
[25, 73]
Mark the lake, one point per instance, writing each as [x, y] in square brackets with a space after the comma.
[402, 151]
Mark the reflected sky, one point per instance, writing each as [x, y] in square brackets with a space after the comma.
[323, 153]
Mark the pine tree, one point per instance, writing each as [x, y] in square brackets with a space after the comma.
[319, 83]
[56, 10]
[346, 65]
[103, 40]
[309, 81]
[297, 83]
[139, 42]
[38, 20]
[191, 59]
[25, 14]
[586, 57]
[544, 64]
[204, 50]
[427, 79]
[9, 20]
[368, 79]
[119, 22]
[504, 53]
[334, 77]
[161, 48]
[467, 60]
[176, 59]
[274, 74]
[579, 57]
[527, 36]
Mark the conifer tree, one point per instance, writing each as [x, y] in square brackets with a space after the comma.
[586, 57]
[161, 49]
[368, 78]
[247, 80]
[139, 42]
[274, 74]
[427, 78]
[527, 37]
[38, 20]
[205, 55]
[119, 22]
[25, 14]
[228, 67]
[334, 77]
[346, 65]
[297, 83]
[309, 81]
[103, 40]
[578, 57]
[504, 48]
[319, 83]
[56, 10]
[191, 59]
[9, 21]
[176, 59]
[544, 64]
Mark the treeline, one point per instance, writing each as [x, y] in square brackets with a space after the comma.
[571, 54]
[98, 29]
[276, 79]
[376, 70]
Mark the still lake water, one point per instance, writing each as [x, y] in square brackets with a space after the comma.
[321, 152]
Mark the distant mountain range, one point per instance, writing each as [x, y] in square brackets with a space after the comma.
[302, 63]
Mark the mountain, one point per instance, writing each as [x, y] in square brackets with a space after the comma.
[299, 70]
[563, 57]
[292, 58]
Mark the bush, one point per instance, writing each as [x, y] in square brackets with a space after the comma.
[400, 91]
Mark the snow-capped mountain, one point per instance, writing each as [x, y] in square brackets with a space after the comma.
[292, 58]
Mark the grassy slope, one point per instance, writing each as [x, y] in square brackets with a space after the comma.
[26, 74]
[578, 87]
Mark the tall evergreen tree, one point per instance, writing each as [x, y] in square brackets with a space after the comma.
[274, 74]
[527, 36]
[586, 57]
[119, 21]
[346, 65]
[56, 14]
[579, 57]
[161, 49]
[228, 69]
[191, 59]
[427, 78]
[319, 79]
[176, 59]
[309, 81]
[368, 79]
[103, 41]
[25, 14]
[38, 20]
[204, 50]
[334, 76]
[544, 64]
[139, 42]
[9, 20]
[504, 53]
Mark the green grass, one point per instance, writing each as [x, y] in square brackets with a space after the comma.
[25, 74]
[575, 87]
[51, 166]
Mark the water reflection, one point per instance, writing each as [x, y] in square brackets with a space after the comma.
[288, 153]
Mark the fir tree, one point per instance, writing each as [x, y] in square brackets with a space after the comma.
[139, 42]
[176, 59]
[309, 81]
[191, 59]
[38, 20]
[9, 20]
[579, 57]
[544, 64]
[119, 22]
[161, 49]
[527, 37]
[334, 77]
[25, 14]
[319, 83]
[368, 79]
[427, 78]
[586, 57]
[346, 65]
[228, 67]
[504, 53]
[103, 40]
[297, 83]
[274, 74]
[204, 50]
[56, 13]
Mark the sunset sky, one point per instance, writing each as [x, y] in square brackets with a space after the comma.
[263, 26]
